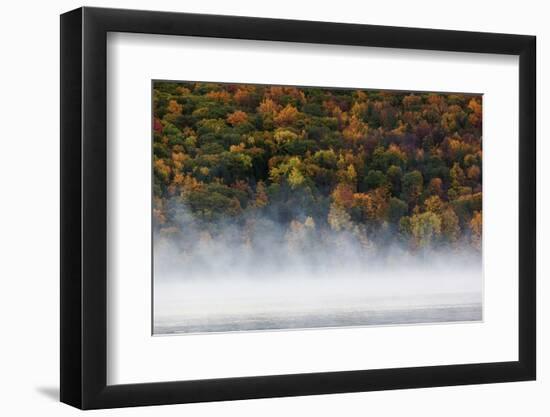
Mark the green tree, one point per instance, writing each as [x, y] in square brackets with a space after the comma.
[397, 208]
[412, 186]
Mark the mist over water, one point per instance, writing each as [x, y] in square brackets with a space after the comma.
[259, 275]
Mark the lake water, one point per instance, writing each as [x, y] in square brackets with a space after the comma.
[230, 305]
[318, 319]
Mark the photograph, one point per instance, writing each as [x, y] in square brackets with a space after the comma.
[280, 207]
[271, 206]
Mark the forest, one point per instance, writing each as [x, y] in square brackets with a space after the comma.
[382, 168]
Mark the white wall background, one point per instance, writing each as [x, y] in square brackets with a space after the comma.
[29, 219]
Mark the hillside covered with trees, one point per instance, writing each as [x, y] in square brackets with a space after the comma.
[383, 168]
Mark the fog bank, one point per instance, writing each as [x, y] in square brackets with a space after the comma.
[278, 278]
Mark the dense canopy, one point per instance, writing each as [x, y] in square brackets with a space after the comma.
[385, 167]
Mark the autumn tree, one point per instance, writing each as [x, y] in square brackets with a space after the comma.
[476, 228]
[406, 168]
[261, 199]
[425, 229]
[339, 219]
[286, 116]
[412, 186]
[268, 107]
[236, 118]
[450, 227]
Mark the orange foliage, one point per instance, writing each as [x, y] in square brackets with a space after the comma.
[162, 170]
[476, 227]
[343, 196]
[286, 116]
[411, 101]
[174, 107]
[473, 173]
[436, 187]
[268, 107]
[374, 204]
[221, 96]
[355, 130]
[244, 95]
[237, 118]
[475, 118]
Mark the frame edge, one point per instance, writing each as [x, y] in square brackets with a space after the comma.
[528, 207]
[71, 377]
[83, 213]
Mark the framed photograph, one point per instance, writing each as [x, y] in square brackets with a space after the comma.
[258, 208]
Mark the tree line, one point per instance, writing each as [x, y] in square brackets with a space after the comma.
[383, 166]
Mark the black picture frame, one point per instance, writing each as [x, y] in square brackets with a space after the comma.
[84, 207]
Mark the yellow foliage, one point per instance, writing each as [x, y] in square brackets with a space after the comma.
[284, 136]
[359, 110]
[290, 167]
[348, 176]
[355, 130]
[309, 223]
[425, 227]
[434, 204]
[295, 178]
[351, 174]
[162, 169]
[450, 227]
